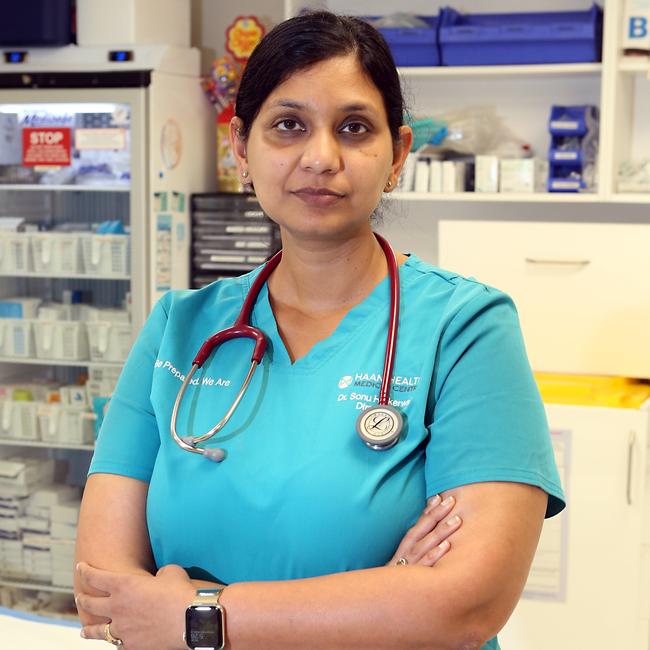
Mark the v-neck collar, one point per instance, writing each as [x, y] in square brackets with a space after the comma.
[373, 306]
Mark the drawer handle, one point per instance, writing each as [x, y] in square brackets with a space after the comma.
[532, 260]
[630, 458]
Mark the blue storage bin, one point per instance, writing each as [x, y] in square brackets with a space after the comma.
[566, 157]
[573, 120]
[526, 38]
[413, 46]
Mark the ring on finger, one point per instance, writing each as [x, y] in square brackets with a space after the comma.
[109, 637]
[402, 561]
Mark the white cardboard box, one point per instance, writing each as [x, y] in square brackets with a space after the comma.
[66, 513]
[523, 175]
[63, 531]
[636, 25]
[133, 22]
[486, 174]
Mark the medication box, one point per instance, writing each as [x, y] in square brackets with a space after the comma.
[523, 175]
[524, 38]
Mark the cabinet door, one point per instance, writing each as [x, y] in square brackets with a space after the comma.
[586, 588]
[578, 288]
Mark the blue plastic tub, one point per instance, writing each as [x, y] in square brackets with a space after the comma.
[413, 46]
[526, 38]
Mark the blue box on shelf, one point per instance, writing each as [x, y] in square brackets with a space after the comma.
[566, 157]
[522, 38]
[572, 120]
[413, 46]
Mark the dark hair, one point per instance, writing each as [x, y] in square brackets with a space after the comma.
[308, 39]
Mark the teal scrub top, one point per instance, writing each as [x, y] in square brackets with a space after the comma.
[299, 494]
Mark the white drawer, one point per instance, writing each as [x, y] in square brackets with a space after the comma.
[582, 290]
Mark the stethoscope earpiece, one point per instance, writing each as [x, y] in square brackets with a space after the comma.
[214, 453]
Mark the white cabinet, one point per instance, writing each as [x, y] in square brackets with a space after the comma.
[581, 290]
[603, 560]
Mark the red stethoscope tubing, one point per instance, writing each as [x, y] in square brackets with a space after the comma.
[242, 327]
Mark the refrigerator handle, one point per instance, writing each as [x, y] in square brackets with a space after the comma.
[630, 458]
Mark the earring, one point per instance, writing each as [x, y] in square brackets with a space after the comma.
[245, 173]
[389, 184]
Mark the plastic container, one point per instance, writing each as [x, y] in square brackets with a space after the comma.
[109, 341]
[55, 253]
[65, 425]
[414, 46]
[18, 420]
[107, 255]
[573, 120]
[16, 338]
[62, 340]
[522, 38]
[15, 253]
[593, 390]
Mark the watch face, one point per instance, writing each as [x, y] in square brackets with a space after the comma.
[204, 626]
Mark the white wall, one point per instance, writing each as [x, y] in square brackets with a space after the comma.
[210, 18]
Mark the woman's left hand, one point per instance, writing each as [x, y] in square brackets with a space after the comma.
[145, 612]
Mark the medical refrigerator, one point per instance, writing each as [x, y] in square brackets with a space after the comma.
[100, 149]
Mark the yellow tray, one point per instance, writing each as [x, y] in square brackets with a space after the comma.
[592, 390]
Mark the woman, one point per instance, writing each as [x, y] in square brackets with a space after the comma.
[300, 511]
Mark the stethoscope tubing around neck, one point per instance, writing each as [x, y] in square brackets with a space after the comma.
[242, 328]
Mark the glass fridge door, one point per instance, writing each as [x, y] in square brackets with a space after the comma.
[73, 266]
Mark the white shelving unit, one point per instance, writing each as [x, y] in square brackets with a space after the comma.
[9, 442]
[34, 586]
[523, 95]
[605, 461]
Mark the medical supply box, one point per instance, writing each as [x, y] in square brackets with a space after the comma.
[413, 46]
[521, 38]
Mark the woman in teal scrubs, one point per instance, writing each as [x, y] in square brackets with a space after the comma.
[302, 521]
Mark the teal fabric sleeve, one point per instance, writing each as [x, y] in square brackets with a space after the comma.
[129, 438]
[486, 417]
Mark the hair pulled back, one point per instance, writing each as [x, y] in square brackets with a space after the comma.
[308, 39]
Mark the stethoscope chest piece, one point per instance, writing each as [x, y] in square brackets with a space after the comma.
[380, 426]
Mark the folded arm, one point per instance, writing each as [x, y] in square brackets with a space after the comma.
[460, 602]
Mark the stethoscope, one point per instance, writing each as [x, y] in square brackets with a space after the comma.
[379, 426]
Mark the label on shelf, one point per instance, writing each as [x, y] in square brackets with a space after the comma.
[567, 125]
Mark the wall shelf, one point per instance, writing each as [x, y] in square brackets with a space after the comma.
[13, 442]
[541, 70]
[22, 584]
[26, 187]
[60, 362]
[67, 276]
[483, 197]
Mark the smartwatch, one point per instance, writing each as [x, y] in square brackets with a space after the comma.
[205, 621]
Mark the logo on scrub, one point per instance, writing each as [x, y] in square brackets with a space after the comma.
[346, 381]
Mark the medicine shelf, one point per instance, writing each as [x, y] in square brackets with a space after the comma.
[20, 584]
[478, 197]
[27, 187]
[13, 442]
[61, 362]
[540, 70]
[632, 197]
[67, 276]
[634, 64]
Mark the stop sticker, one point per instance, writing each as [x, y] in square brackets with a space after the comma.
[46, 146]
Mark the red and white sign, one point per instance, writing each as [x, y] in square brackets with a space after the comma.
[46, 146]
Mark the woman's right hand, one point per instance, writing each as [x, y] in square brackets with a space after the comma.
[427, 540]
